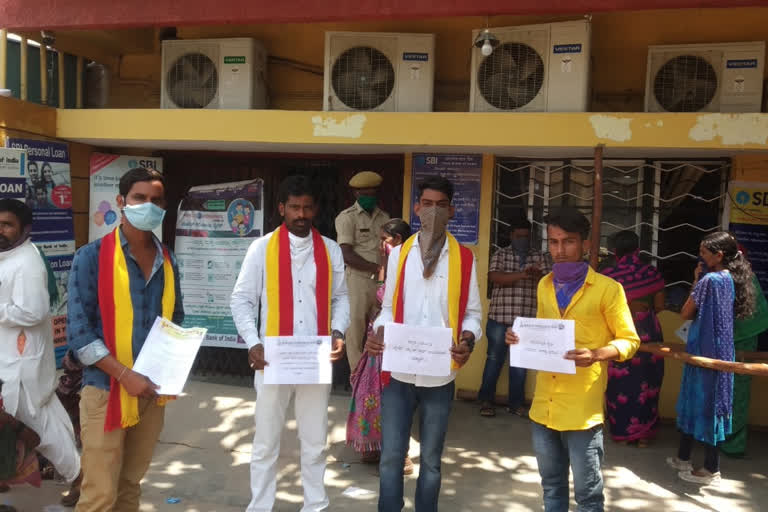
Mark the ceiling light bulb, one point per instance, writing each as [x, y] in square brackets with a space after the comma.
[487, 49]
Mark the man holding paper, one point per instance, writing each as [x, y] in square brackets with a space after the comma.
[567, 409]
[118, 286]
[294, 278]
[431, 288]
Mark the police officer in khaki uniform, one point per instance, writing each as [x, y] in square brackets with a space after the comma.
[358, 231]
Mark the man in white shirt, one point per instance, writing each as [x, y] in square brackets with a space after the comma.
[294, 278]
[27, 363]
[426, 289]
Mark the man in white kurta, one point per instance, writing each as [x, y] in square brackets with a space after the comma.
[27, 362]
[297, 207]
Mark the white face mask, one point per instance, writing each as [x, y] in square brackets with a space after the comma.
[144, 216]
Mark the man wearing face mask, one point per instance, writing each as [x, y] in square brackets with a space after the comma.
[357, 232]
[514, 272]
[567, 410]
[118, 286]
[27, 363]
[431, 282]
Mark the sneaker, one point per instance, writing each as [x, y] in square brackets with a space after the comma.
[680, 465]
[704, 478]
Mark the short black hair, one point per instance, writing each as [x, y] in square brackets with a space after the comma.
[624, 242]
[436, 183]
[19, 209]
[570, 220]
[519, 223]
[296, 185]
[138, 175]
[394, 227]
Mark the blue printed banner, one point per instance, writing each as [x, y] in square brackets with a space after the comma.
[48, 191]
[464, 171]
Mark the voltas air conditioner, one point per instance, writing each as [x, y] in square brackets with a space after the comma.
[214, 73]
[379, 71]
[534, 68]
[705, 78]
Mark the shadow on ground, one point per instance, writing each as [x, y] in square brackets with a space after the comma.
[488, 465]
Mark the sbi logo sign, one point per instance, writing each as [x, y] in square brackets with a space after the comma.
[757, 198]
[147, 164]
[742, 197]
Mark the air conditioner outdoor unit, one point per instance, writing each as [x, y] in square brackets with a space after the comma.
[214, 73]
[379, 71]
[705, 77]
[535, 68]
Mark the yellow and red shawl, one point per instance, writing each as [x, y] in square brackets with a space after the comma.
[117, 322]
[460, 261]
[279, 284]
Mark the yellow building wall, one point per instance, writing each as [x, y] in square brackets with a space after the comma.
[619, 53]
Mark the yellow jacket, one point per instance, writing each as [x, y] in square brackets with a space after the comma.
[602, 317]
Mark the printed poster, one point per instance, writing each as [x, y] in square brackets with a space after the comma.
[748, 222]
[13, 168]
[216, 225]
[105, 173]
[465, 172]
[49, 193]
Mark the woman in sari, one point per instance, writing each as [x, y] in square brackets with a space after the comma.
[745, 332]
[364, 420]
[18, 459]
[632, 395]
[705, 403]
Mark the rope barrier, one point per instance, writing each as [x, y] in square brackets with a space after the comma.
[741, 367]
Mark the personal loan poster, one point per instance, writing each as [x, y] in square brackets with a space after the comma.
[49, 193]
[105, 173]
[13, 168]
[464, 171]
[748, 222]
[215, 226]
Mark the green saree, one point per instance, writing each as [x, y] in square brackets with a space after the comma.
[745, 334]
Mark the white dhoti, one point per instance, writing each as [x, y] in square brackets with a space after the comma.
[57, 438]
[311, 409]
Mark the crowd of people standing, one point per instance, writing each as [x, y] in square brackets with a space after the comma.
[295, 282]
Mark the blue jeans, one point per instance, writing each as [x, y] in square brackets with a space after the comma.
[398, 403]
[582, 450]
[494, 362]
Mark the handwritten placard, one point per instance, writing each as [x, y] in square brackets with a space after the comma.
[543, 344]
[417, 350]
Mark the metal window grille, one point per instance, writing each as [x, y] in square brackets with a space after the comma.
[671, 205]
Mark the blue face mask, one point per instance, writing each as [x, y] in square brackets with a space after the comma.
[144, 216]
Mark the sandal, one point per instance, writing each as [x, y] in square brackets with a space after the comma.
[487, 410]
[407, 466]
[521, 411]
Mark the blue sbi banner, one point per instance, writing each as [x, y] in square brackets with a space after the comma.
[48, 191]
[464, 171]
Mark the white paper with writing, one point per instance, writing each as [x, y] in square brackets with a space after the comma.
[168, 354]
[543, 343]
[297, 360]
[417, 350]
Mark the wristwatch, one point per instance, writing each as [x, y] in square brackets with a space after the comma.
[337, 335]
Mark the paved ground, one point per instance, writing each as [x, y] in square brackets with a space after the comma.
[488, 465]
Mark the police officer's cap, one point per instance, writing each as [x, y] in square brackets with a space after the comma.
[365, 179]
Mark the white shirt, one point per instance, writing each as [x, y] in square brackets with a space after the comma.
[250, 293]
[24, 310]
[425, 302]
